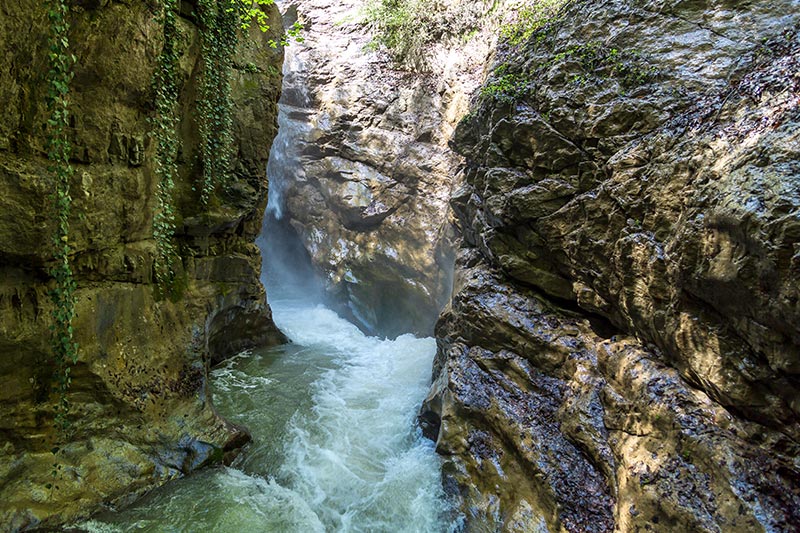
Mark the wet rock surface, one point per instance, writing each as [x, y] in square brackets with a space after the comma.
[140, 414]
[621, 350]
[369, 171]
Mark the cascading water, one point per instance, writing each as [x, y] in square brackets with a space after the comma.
[335, 445]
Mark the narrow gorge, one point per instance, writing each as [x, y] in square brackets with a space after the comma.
[400, 266]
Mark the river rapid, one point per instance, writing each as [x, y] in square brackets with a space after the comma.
[335, 441]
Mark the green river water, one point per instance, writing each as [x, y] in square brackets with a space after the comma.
[336, 447]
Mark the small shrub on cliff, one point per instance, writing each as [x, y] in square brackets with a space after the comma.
[523, 20]
[530, 17]
[408, 28]
[506, 86]
[597, 59]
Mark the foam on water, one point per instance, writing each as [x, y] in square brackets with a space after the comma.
[231, 501]
[356, 456]
[336, 446]
[228, 377]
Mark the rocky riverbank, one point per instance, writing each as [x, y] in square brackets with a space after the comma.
[621, 349]
[139, 410]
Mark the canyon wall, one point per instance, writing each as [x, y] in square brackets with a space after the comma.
[622, 348]
[140, 414]
[369, 172]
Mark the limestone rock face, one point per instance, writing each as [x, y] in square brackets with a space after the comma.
[369, 174]
[140, 414]
[621, 351]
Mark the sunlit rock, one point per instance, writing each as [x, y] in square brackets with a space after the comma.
[372, 167]
[621, 350]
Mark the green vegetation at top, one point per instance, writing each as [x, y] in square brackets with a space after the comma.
[247, 11]
[407, 28]
[250, 11]
[530, 17]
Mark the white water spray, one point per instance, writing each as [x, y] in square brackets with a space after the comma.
[336, 447]
[284, 164]
[357, 457]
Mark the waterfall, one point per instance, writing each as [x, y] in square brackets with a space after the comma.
[284, 157]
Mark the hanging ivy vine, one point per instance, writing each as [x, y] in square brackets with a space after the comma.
[220, 20]
[59, 76]
[219, 24]
[165, 87]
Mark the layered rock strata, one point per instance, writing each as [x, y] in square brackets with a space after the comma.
[139, 413]
[621, 352]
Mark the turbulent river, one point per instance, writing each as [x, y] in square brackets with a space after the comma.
[335, 443]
